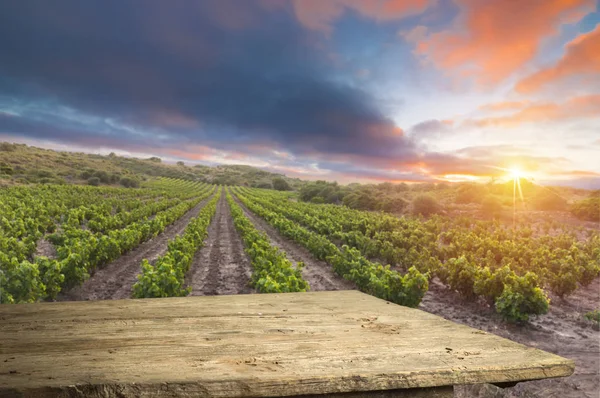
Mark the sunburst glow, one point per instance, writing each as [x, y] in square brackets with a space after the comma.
[516, 173]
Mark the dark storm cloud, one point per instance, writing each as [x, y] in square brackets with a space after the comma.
[219, 73]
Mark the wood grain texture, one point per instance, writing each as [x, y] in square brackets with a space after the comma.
[249, 346]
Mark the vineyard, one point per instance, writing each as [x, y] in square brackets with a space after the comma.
[88, 228]
[174, 237]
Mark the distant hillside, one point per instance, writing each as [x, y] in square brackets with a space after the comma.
[23, 164]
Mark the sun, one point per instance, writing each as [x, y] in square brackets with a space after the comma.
[515, 173]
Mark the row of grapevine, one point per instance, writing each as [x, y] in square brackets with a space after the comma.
[165, 278]
[272, 270]
[66, 211]
[475, 258]
[349, 263]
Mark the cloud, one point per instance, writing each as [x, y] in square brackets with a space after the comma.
[415, 35]
[213, 73]
[492, 39]
[582, 57]
[430, 129]
[504, 106]
[319, 14]
[587, 106]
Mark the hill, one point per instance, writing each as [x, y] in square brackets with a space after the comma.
[23, 164]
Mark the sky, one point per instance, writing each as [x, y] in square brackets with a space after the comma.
[346, 90]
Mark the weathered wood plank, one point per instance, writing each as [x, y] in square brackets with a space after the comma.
[250, 345]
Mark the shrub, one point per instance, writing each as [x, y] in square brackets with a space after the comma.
[593, 316]
[549, 201]
[103, 176]
[94, 181]
[521, 298]
[7, 147]
[45, 174]
[280, 184]
[491, 206]
[470, 193]
[393, 204]
[490, 284]
[587, 209]
[264, 184]
[129, 182]
[425, 205]
[180, 163]
[6, 169]
[84, 175]
[460, 275]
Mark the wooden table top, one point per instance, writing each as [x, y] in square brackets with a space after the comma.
[251, 345]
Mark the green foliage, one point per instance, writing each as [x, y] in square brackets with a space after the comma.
[548, 200]
[470, 193]
[7, 147]
[26, 162]
[593, 316]
[522, 298]
[587, 209]
[6, 169]
[475, 258]
[102, 176]
[280, 184]
[116, 220]
[348, 262]
[166, 277]
[86, 174]
[273, 272]
[460, 274]
[490, 284]
[129, 182]
[491, 206]
[425, 205]
[93, 181]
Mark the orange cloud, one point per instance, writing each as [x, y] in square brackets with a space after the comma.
[578, 173]
[495, 38]
[582, 56]
[587, 106]
[319, 14]
[504, 106]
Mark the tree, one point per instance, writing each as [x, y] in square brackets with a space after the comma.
[425, 205]
[129, 182]
[103, 176]
[180, 163]
[549, 201]
[280, 184]
[491, 206]
[94, 181]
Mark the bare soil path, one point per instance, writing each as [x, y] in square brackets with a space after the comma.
[563, 331]
[221, 266]
[115, 281]
[319, 275]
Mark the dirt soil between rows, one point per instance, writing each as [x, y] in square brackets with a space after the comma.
[221, 266]
[115, 281]
[319, 275]
[563, 331]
